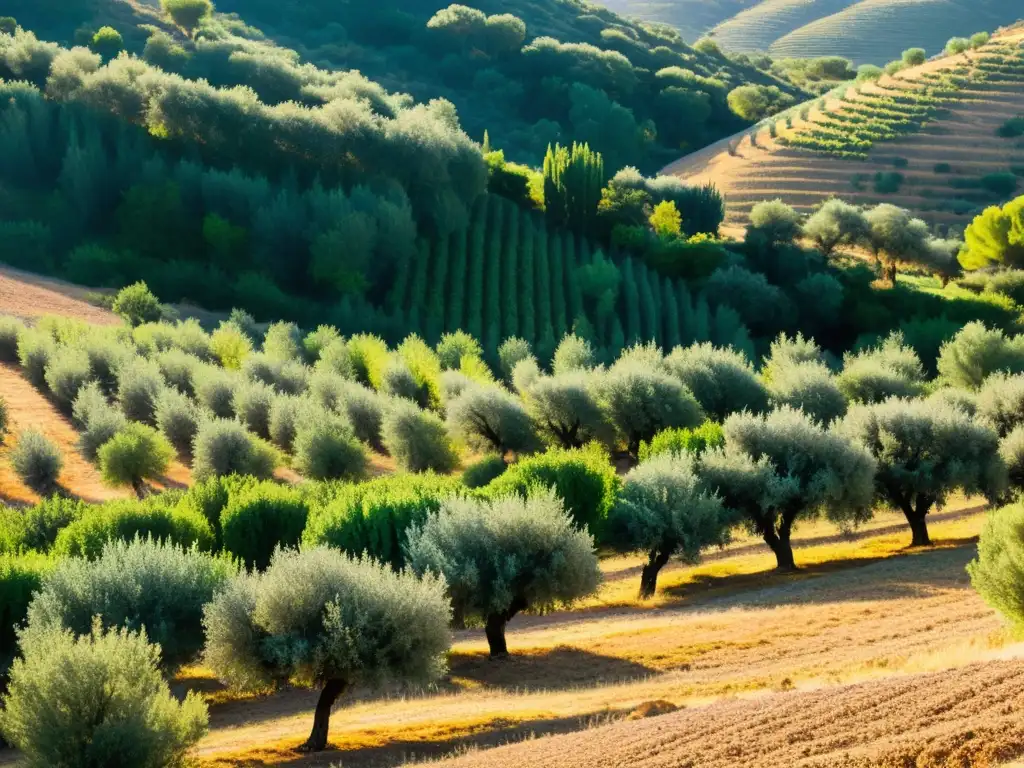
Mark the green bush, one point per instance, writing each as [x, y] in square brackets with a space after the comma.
[177, 418]
[417, 439]
[179, 370]
[888, 182]
[135, 454]
[215, 391]
[139, 384]
[722, 379]
[484, 471]
[1012, 128]
[489, 418]
[11, 329]
[156, 517]
[1000, 184]
[35, 349]
[286, 412]
[67, 371]
[998, 571]
[1011, 450]
[583, 478]
[104, 421]
[139, 585]
[257, 521]
[136, 304]
[36, 528]
[21, 576]
[679, 441]
[943, 168]
[208, 498]
[372, 517]
[365, 412]
[511, 353]
[225, 448]
[283, 342]
[455, 346]
[573, 354]
[37, 461]
[251, 404]
[326, 449]
[115, 709]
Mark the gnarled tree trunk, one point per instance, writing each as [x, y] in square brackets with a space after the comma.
[780, 544]
[317, 740]
[649, 576]
[917, 517]
[495, 628]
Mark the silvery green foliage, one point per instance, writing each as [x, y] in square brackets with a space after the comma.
[178, 417]
[998, 571]
[573, 354]
[224, 447]
[647, 355]
[891, 369]
[495, 554]
[565, 410]
[453, 384]
[251, 401]
[664, 508]
[963, 399]
[780, 467]
[836, 223]
[258, 366]
[89, 401]
[286, 413]
[925, 450]
[10, 329]
[326, 388]
[809, 387]
[335, 358]
[215, 390]
[35, 348]
[179, 370]
[283, 342]
[139, 384]
[454, 346]
[512, 352]
[325, 448]
[97, 420]
[317, 341]
[293, 378]
[1000, 402]
[189, 337]
[976, 352]
[722, 379]
[489, 418]
[288, 376]
[318, 615]
[37, 461]
[398, 380]
[640, 401]
[1011, 451]
[364, 410]
[67, 371]
[142, 584]
[524, 373]
[417, 439]
[787, 351]
[98, 699]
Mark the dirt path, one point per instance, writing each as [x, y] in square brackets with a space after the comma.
[29, 296]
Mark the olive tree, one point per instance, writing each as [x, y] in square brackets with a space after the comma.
[892, 369]
[320, 619]
[504, 556]
[1000, 402]
[663, 509]
[573, 354]
[187, 14]
[489, 418]
[834, 224]
[565, 410]
[925, 450]
[782, 467]
[721, 379]
[976, 352]
[809, 387]
[998, 571]
[135, 454]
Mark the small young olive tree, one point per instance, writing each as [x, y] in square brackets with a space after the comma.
[998, 572]
[834, 224]
[924, 451]
[505, 556]
[809, 387]
[721, 379]
[135, 454]
[892, 369]
[782, 467]
[489, 418]
[1000, 402]
[663, 509]
[320, 619]
[976, 352]
[565, 410]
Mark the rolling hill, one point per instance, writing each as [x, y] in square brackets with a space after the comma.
[866, 31]
[926, 139]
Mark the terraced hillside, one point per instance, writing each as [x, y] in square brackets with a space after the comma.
[867, 31]
[926, 139]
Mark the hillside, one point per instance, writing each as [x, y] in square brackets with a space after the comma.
[926, 139]
[866, 31]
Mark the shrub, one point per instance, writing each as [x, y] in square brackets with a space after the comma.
[888, 182]
[1012, 128]
[21, 576]
[177, 418]
[565, 410]
[67, 371]
[115, 709]
[777, 222]
[225, 448]
[369, 356]
[1000, 184]
[513, 351]
[455, 346]
[365, 412]
[781, 467]
[335, 358]
[722, 380]
[156, 517]
[547, 561]
[215, 391]
[808, 387]
[640, 401]
[104, 421]
[139, 384]
[37, 461]
[484, 471]
[1000, 402]
[139, 585]
[327, 388]
[943, 168]
[135, 454]
[11, 329]
[283, 342]
[317, 341]
[975, 353]
[327, 449]
[417, 439]
[372, 517]
[525, 373]
[293, 378]
[892, 369]
[36, 528]
[257, 521]
[286, 412]
[663, 509]
[187, 14]
[398, 381]
[979, 39]
[360, 623]
[683, 441]
[251, 403]
[998, 571]
[35, 349]
[179, 370]
[573, 354]
[583, 478]
[230, 345]
[488, 418]
[956, 398]
[136, 305]
[208, 498]
[1011, 450]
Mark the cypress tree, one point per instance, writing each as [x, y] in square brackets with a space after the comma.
[573, 180]
[725, 322]
[670, 315]
[632, 297]
[684, 304]
[742, 342]
[396, 300]
[457, 290]
[477, 259]
[527, 278]
[543, 272]
[493, 288]
[654, 282]
[558, 318]
[617, 341]
[648, 309]
[701, 320]
[572, 262]
[434, 325]
[418, 294]
[510, 282]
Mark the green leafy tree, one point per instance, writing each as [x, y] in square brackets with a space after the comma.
[998, 571]
[137, 305]
[666, 220]
[187, 14]
[834, 224]
[573, 180]
[565, 410]
[488, 418]
[135, 454]
[107, 42]
[756, 102]
[976, 352]
[995, 237]
[722, 380]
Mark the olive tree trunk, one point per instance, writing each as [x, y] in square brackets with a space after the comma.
[495, 628]
[317, 740]
[779, 542]
[649, 576]
[917, 517]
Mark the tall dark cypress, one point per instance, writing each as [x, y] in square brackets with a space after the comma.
[510, 279]
[558, 318]
[477, 262]
[434, 324]
[527, 277]
[492, 279]
[456, 310]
